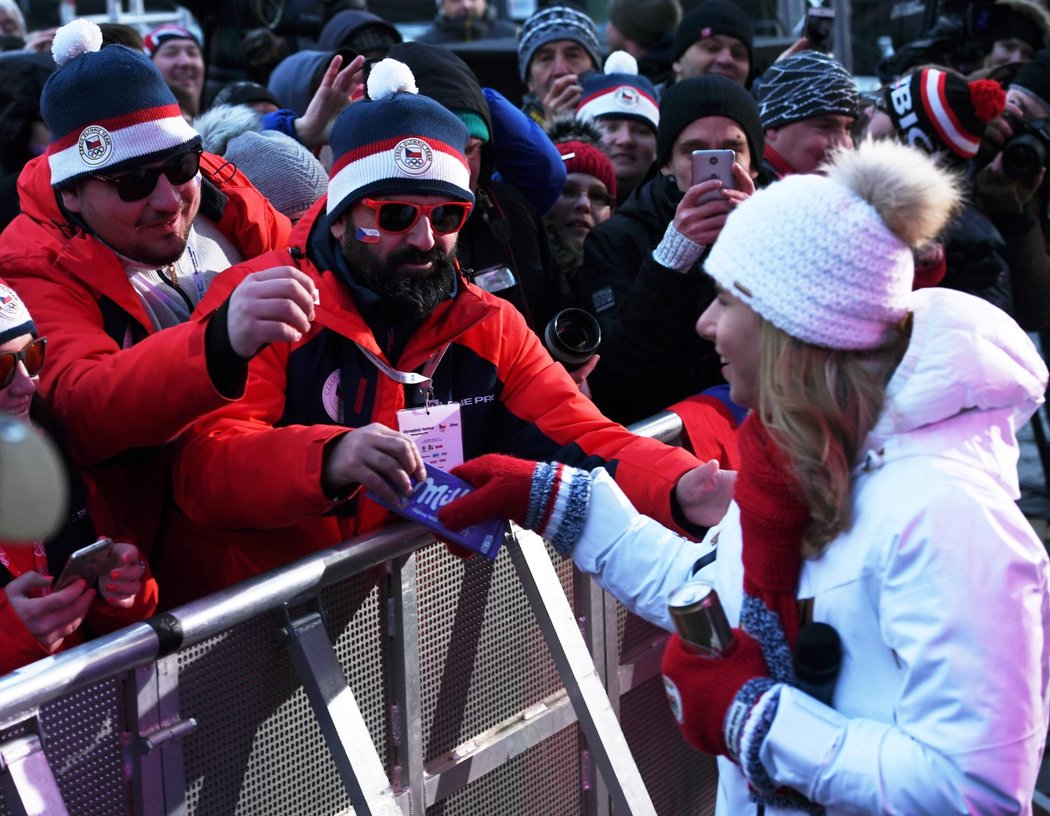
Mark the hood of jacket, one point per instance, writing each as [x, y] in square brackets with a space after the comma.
[292, 80]
[979, 385]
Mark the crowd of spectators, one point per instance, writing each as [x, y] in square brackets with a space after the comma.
[258, 262]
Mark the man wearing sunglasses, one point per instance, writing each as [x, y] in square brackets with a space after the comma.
[125, 223]
[401, 344]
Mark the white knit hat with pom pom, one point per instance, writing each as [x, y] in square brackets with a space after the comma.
[828, 258]
[108, 109]
[397, 142]
[619, 93]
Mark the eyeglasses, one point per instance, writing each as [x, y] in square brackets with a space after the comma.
[138, 184]
[401, 216]
[32, 355]
[598, 197]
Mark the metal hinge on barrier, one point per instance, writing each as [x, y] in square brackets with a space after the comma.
[158, 738]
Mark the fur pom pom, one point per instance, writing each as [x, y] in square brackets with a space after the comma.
[388, 77]
[911, 193]
[75, 38]
[988, 99]
[620, 62]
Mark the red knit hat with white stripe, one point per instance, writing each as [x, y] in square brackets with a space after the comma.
[940, 112]
[397, 142]
[108, 110]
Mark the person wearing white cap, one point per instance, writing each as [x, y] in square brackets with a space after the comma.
[889, 602]
[125, 223]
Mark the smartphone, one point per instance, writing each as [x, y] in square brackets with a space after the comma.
[90, 563]
[714, 164]
[820, 26]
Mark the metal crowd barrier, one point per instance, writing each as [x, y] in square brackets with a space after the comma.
[382, 676]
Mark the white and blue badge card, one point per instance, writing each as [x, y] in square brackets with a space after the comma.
[437, 431]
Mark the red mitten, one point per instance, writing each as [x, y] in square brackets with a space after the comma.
[548, 498]
[703, 690]
[773, 519]
[501, 490]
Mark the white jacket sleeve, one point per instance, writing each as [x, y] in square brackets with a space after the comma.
[631, 556]
[962, 603]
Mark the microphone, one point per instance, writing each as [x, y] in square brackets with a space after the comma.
[818, 658]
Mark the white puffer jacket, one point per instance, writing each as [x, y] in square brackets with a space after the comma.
[939, 590]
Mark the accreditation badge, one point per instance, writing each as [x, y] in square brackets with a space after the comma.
[437, 431]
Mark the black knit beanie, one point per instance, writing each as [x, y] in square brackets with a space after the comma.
[645, 21]
[1034, 77]
[710, 18]
[804, 86]
[708, 95]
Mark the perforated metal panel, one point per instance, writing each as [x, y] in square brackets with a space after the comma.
[483, 659]
[544, 781]
[81, 737]
[259, 749]
[680, 781]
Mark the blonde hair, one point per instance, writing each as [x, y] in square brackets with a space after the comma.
[820, 405]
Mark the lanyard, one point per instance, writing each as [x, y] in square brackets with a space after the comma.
[423, 380]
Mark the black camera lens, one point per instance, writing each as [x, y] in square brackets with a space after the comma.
[1023, 157]
[572, 337]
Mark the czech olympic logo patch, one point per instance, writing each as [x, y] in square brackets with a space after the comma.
[332, 396]
[95, 145]
[414, 156]
[626, 97]
[10, 305]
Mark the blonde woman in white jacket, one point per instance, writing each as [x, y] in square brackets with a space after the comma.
[876, 494]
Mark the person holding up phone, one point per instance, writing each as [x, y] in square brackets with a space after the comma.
[641, 271]
[35, 620]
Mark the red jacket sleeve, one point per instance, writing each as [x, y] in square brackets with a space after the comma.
[111, 399]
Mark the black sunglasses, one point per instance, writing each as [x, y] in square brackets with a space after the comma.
[32, 355]
[138, 184]
[401, 216]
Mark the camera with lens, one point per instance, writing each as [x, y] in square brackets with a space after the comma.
[1025, 154]
[572, 337]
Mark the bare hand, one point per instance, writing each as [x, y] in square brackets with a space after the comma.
[123, 584]
[704, 493]
[385, 461]
[801, 44]
[564, 95]
[338, 89]
[580, 375]
[40, 41]
[998, 131]
[702, 222]
[51, 618]
[272, 306]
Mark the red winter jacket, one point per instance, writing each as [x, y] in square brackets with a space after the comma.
[120, 409]
[18, 647]
[248, 475]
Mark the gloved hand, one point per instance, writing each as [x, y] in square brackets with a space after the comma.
[548, 498]
[713, 697]
[725, 706]
[773, 519]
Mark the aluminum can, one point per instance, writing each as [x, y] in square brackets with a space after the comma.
[699, 618]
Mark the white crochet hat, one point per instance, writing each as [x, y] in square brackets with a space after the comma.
[827, 259]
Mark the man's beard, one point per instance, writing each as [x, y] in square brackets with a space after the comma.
[405, 295]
